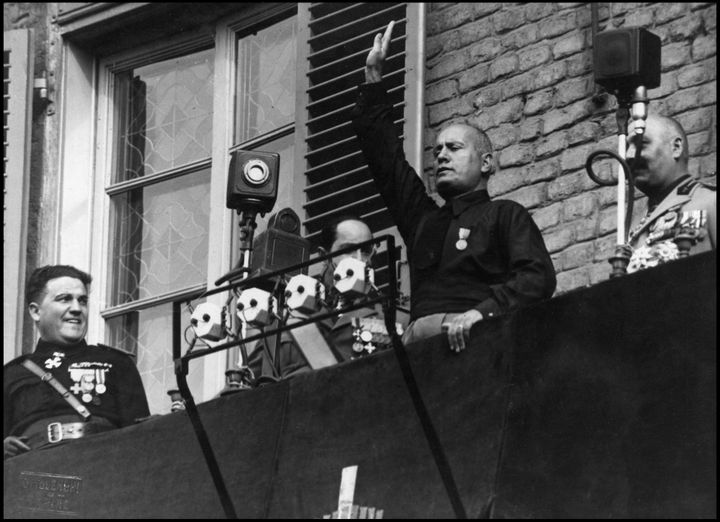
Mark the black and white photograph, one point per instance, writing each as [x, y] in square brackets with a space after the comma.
[359, 260]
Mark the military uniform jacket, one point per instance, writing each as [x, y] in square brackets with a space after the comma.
[692, 206]
[353, 335]
[470, 253]
[104, 379]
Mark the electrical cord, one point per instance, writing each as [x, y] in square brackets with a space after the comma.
[628, 174]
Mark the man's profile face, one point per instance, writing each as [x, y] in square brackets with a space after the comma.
[458, 162]
[657, 166]
[62, 310]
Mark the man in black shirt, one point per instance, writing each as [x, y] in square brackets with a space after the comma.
[66, 388]
[469, 259]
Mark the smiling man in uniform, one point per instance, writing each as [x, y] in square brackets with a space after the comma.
[66, 389]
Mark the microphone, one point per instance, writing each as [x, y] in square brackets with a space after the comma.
[304, 294]
[256, 307]
[353, 278]
[206, 321]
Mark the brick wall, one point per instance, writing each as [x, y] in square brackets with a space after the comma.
[524, 73]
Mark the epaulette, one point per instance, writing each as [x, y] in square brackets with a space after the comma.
[106, 347]
[686, 188]
[707, 184]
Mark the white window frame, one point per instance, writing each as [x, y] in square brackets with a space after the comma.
[414, 127]
[219, 221]
[86, 160]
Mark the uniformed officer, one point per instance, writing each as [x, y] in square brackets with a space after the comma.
[351, 335]
[66, 389]
[359, 332]
[677, 204]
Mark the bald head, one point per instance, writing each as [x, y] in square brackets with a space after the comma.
[344, 232]
[478, 136]
[463, 160]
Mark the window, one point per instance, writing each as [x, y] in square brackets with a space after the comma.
[159, 204]
[279, 79]
[265, 100]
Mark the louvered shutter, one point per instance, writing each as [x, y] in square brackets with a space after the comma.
[17, 110]
[337, 177]
[338, 181]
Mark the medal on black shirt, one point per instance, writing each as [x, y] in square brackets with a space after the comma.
[55, 362]
[87, 384]
[463, 234]
[100, 386]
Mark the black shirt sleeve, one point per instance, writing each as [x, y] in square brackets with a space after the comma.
[531, 272]
[510, 269]
[400, 186]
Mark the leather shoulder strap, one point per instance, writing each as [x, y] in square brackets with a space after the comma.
[57, 385]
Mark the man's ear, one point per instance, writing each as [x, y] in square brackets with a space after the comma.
[33, 309]
[677, 147]
[487, 165]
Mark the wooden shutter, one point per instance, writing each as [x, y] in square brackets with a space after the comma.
[338, 182]
[337, 177]
[17, 111]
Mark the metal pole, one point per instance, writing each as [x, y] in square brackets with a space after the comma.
[237, 356]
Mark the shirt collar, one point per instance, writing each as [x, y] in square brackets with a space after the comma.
[675, 184]
[461, 203]
[45, 347]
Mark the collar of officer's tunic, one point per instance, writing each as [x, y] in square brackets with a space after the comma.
[675, 184]
[462, 203]
[45, 347]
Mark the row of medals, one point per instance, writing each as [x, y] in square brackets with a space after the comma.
[87, 385]
[86, 382]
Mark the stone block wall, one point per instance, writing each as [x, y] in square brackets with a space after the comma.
[524, 73]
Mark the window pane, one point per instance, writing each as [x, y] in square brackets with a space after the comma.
[165, 118]
[266, 80]
[160, 237]
[148, 334]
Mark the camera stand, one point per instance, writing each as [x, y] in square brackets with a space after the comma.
[238, 375]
